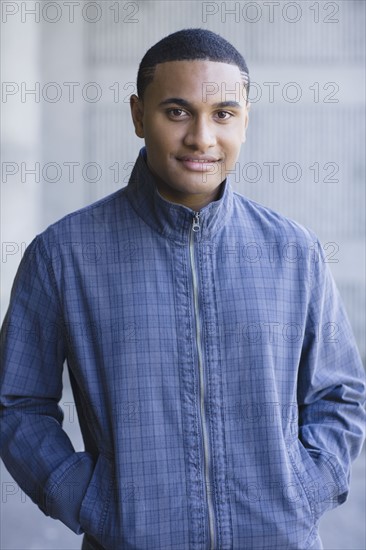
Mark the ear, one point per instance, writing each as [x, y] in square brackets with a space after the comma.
[137, 112]
[246, 122]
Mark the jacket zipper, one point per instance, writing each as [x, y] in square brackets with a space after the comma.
[195, 228]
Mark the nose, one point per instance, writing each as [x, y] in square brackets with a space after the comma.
[200, 135]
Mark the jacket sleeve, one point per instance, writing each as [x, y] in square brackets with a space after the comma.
[35, 449]
[331, 386]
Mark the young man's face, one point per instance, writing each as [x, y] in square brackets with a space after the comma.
[193, 118]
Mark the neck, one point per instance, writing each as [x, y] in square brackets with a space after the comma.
[194, 202]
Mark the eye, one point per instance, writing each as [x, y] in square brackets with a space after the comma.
[224, 115]
[176, 113]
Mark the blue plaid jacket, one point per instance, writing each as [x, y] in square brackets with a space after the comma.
[217, 382]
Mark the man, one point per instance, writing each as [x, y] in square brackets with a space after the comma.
[211, 319]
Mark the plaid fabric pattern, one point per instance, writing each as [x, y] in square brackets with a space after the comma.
[220, 396]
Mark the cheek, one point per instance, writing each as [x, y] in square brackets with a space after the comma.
[233, 142]
[232, 146]
[158, 134]
[240, 137]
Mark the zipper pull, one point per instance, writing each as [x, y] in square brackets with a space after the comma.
[196, 222]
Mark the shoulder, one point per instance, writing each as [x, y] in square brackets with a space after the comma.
[97, 218]
[269, 224]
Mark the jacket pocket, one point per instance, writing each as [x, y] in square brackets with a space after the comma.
[98, 502]
[320, 475]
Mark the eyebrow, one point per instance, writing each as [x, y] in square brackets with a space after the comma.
[184, 103]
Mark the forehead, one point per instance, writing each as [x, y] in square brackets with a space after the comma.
[197, 81]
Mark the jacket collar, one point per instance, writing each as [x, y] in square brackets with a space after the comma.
[171, 219]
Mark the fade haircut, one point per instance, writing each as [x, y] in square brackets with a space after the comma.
[190, 45]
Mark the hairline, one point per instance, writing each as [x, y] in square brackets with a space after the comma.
[149, 72]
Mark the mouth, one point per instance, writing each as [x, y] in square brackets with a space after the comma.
[199, 163]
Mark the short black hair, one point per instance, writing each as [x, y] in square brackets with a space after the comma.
[189, 45]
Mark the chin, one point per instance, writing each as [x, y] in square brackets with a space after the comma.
[196, 189]
[195, 183]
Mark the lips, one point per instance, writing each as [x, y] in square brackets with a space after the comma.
[199, 163]
[206, 158]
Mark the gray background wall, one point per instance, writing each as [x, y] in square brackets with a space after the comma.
[306, 61]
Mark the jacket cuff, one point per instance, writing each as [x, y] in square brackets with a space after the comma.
[65, 490]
